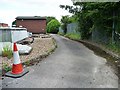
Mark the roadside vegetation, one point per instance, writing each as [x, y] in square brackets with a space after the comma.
[7, 52]
[53, 26]
[73, 36]
[98, 22]
[65, 20]
[60, 33]
[113, 47]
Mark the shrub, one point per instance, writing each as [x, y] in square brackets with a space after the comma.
[7, 51]
[53, 26]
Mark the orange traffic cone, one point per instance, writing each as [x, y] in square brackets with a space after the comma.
[17, 68]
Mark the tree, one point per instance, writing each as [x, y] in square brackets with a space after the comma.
[49, 18]
[65, 20]
[14, 22]
[95, 14]
[53, 26]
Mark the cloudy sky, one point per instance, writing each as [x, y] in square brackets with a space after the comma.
[10, 9]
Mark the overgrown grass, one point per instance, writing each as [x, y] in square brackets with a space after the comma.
[7, 52]
[60, 33]
[114, 47]
[6, 67]
[73, 36]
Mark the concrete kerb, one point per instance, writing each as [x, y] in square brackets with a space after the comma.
[116, 57]
[109, 53]
[103, 49]
[96, 46]
[40, 57]
[116, 64]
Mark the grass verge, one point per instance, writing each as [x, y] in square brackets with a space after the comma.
[113, 47]
[60, 33]
[73, 36]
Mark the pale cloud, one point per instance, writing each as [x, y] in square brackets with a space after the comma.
[9, 9]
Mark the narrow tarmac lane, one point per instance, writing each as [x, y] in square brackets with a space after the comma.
[72, 65]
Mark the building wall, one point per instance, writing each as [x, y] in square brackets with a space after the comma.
[3, 25]
[13, 35]
[34, 26]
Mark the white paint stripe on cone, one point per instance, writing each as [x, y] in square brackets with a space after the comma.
[16, 58]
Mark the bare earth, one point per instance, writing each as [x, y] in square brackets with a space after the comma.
[40, 46]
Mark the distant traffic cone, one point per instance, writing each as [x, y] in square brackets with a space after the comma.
[17, 68]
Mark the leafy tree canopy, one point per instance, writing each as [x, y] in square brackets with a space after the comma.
[49, 18]
[95, 14]
[65, 20]
[53, 26]
[14, 23]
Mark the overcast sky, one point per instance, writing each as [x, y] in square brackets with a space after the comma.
[10, 9]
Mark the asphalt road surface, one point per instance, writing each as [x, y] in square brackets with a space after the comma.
[72, 65]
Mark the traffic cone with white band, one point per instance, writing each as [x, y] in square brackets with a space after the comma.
[17, 68]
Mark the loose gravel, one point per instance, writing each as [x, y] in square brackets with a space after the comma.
[40, 46]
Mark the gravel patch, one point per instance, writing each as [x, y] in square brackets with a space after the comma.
[41, 47]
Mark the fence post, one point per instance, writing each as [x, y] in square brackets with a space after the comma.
[113, 29]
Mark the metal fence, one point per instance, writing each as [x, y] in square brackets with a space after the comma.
[99, 35]
[61, 30]
[117, 39]
[0, 36]
[72, 28]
